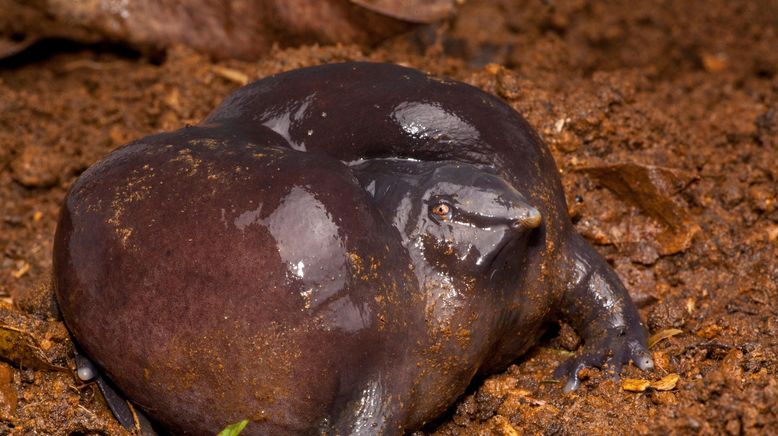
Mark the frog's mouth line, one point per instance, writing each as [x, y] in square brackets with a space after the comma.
[505, 247]
[500, 258]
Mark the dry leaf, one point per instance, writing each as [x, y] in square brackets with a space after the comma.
[414, 11]
[231, 75]
[635, 385]
[666, 383]
[242, 29]
[20, 347]
[661, 335]
[652, 188]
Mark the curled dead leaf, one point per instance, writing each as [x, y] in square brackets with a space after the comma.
[662, 335]
[635, 385]
[21, 347]
[231, 75]
[30, 343]
[243, 29]
[413, 11]
[651, 188]
[666, 383]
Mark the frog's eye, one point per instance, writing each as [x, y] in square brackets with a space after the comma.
[442, 211]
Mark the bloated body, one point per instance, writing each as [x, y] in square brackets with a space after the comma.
[338, 248]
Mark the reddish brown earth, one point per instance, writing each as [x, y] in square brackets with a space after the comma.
[663, 118]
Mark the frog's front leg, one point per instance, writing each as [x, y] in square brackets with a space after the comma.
[128, 416]
[600, 309]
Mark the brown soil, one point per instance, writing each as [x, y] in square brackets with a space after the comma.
[663, 118]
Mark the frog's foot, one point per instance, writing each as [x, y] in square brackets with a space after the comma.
[128, 416]
[611, 349]
[598, 306]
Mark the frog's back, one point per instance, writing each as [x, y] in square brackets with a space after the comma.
[363, 110]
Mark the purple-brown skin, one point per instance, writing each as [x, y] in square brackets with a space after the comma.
[339, 248]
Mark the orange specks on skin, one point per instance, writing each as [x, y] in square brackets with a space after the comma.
[356, 263]
[192, 164]
[209, 143]
[463, 337]
[134, 190]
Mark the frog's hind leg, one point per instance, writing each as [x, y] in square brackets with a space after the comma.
[599, 308]
[128, 416]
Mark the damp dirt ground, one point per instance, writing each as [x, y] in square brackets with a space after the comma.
[662, 117]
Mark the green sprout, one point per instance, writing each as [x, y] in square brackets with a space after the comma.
[234, 429]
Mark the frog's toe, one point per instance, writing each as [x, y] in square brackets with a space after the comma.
[611, 350]
[639, 354]
[614, 362]
[569, 369]
[85, 370]
[129, 417]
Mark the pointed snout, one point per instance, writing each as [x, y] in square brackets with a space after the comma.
[529, 218]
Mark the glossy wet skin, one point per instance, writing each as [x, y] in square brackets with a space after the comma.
[459, 217]
[339, 248]
[465, 230]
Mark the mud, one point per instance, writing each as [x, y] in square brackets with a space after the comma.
[663, 119]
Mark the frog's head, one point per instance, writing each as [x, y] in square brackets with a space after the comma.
[460, 217]
[470, 217]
